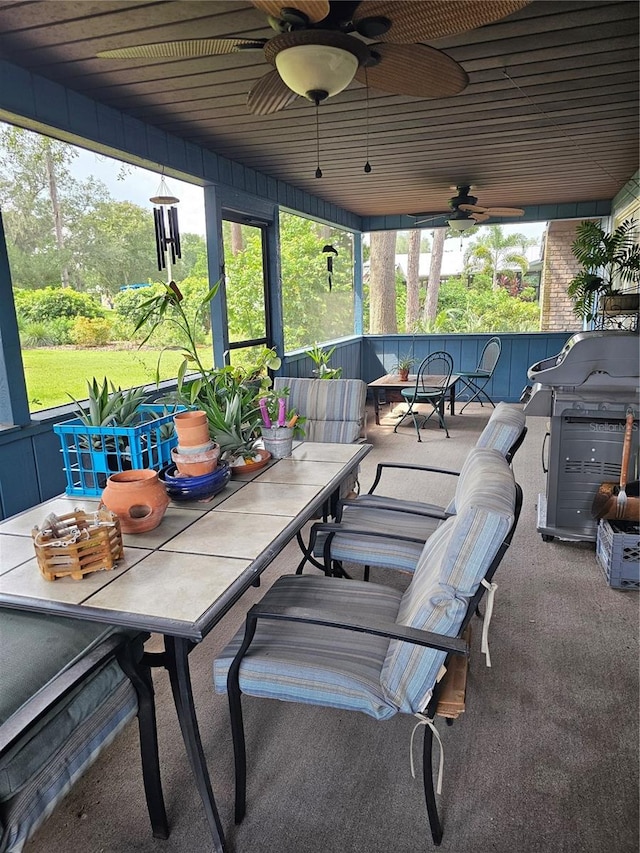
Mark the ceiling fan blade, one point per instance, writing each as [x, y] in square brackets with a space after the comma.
[480, 217]
[416, 70]
[183, 49]
[505, 211]
[472, 208]
[315, 10]
[432, 19]
[269, 95]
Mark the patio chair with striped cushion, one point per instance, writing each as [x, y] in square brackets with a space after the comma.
[365, 647]
[386, 532]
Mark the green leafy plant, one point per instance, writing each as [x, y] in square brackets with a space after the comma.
[255, 370]
[230, 404]
[610, 261]
[321, 357]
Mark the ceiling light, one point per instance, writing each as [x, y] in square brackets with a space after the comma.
[316, 71]
[460, 221]
[316, 64]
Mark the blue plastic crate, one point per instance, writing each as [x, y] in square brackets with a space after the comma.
[91, 454]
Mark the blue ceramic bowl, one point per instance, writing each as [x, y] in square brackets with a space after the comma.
[181, 488]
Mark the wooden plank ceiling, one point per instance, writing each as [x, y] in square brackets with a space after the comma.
[561, 127]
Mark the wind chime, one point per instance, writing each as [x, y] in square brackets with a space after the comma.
[167, 247]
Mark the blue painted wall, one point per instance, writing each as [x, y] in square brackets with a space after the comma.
[519, 351]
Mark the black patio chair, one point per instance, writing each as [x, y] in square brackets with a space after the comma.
[427, 390]
[475, 381]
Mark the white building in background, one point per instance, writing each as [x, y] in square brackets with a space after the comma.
[452, 264]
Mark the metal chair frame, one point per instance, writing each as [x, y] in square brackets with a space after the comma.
[425, 393]
[483, 373]
[453, 646]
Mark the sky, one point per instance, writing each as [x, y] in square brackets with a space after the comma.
[140, 184]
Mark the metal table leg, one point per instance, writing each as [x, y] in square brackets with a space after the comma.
[177, 663]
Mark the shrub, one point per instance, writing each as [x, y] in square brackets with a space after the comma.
[36, 334]
[51, 303]
[86, 332]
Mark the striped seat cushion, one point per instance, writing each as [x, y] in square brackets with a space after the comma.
[296, 662]
[388, 552]
[480, 467]
[453, 562]
[36, 800]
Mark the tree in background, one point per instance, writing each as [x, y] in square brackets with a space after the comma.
[382, 283]
[493, 252]
[412, 310]
[34, 183]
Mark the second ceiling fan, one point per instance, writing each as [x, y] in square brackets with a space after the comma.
[466, 212]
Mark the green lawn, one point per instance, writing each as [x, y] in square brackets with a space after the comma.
[53, 374]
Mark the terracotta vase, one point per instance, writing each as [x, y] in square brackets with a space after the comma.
[192, 428]
[196, 464]
[138, 498]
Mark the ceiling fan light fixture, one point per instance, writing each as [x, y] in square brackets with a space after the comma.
[316, 71]
[461, 223]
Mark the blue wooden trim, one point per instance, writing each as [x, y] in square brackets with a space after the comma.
[31, 101]
[14, 402]
[274, 290]
[533, 213]
[215, 267]
[357, 284]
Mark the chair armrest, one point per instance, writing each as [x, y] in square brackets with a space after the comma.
[407, 466]
[58, 687]
[429, 511]
[380, 628]
[338, 528]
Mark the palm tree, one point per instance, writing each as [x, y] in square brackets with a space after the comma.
[493, 251]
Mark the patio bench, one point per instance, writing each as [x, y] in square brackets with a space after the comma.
[67, 688]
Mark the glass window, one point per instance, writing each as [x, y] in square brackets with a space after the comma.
[318, 303]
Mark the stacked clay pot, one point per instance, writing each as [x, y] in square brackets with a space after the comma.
[138, 498]
[195, 454]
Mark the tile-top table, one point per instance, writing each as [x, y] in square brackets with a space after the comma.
[181, 578]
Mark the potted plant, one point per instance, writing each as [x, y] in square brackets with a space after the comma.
[611, 269]
[114, 430]
[255, 373]
[321, 357]
[403, 366]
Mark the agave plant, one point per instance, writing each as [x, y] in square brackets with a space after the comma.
[113, 407]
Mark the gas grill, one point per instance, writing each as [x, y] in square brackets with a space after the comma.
[585, 392]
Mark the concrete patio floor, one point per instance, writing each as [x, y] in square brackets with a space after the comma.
[545, 757]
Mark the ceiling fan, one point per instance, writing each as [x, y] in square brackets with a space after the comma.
[320, 46]
[465, 211]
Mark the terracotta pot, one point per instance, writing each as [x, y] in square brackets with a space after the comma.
[138, 498]
[192, 428]
[403, 375]
[196, 464]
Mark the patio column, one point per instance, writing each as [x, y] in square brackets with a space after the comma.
[14, 403]
[215, 265]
